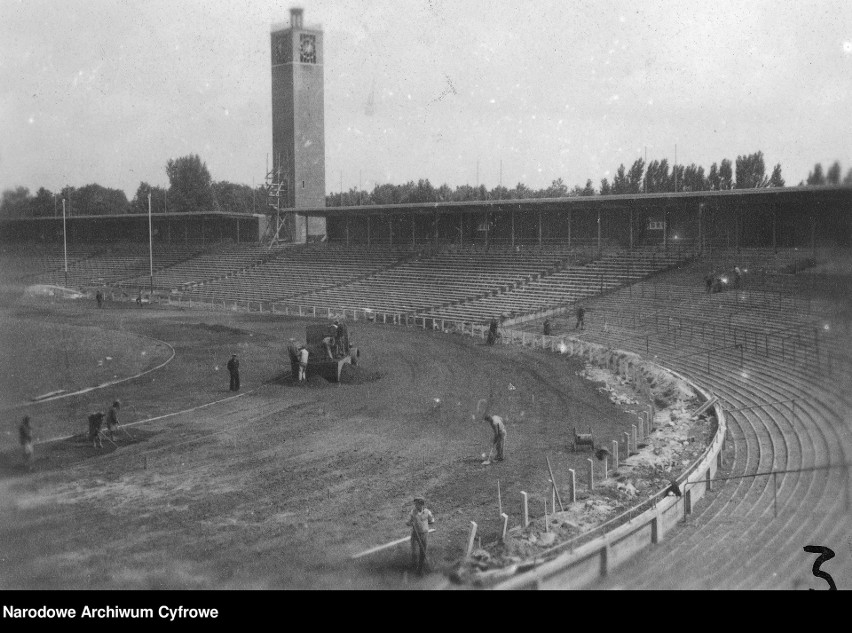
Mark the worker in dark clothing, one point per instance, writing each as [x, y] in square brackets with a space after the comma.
[708, 282]
[342, 338]
[547, 327]
[293, 353]
[25, 433]
[95, 422]
[234, 370]
[581, 315]
[112, 419]
[492, 331]
[99, 297]
[419, 520]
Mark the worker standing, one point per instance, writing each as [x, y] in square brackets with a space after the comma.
[341, 337]
[234, 371]
[303, 363]
[419, 520]
[112, 418]
[547, 327]
[581, 318]
[492, 331]
[95, 421]
[499, 438]
[293, 352]
[25, 433]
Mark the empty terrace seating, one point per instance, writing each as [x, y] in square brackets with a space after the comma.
[116, 262]
[218, 262]
[563, 286]
[735, 539]
[299, 270]
[25, 261]
[452, 275]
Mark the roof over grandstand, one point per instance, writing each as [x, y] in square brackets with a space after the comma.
[831, 194]
[122, 216]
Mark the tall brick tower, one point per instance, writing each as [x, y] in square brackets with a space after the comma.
[298, 128]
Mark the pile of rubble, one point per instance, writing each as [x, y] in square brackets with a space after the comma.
[677, 441]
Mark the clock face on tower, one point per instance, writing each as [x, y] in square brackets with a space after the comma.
[307, 49]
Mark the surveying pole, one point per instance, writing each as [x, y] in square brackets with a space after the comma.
[150, 244]
[65, 242]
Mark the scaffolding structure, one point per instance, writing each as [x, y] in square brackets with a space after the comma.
[277, 186]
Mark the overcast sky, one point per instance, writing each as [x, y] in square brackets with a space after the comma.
[106, 91]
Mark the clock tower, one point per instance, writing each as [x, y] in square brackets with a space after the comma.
[298, 131]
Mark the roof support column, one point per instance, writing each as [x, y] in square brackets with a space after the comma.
[539, 229]
[774, 228]
[390, 228]
[368, 230]
[436, 228]
[813, 235]
[487, 231]
[512, 214]
[665, 229]
[599, 231]
[413, 218]
[461, 229]
[631, 227]
[569, 228]
[347, 230]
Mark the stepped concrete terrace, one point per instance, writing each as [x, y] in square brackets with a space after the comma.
[788, 409]
[218, 262]
[297, 270]
[448, 276]
[564, 286]
[114, 262]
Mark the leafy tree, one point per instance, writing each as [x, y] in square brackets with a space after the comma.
[848, 179]
[657, 177]
[816, 177]
[833, 175]
[619, 181]
[606, 189]
[97, 200]
[751, 171]
[557, 189]
[693, 178]
[676, 182]
[714, 181]
[139, 204]
[775, 180]
[726, 175]
[15, 203]
[43, 204]
[634, 176]
[189, 185]
[589, 189]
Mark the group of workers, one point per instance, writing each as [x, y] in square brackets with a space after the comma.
[421, 518]
[547, 326]
[714, 282]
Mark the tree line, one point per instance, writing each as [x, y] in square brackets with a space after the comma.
[192, 189]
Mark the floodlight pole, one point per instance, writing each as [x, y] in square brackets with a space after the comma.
[150, 244]
[65, 242]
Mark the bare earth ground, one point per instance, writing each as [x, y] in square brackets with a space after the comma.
[279, 487]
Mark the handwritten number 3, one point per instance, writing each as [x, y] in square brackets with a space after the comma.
[824, 555]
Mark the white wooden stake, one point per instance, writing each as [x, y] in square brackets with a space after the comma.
[526, 508]
[591, 474]
[505, 524]
[572, 486]
[615, 454]
[472, 536]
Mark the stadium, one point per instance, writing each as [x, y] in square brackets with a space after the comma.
[691, 431]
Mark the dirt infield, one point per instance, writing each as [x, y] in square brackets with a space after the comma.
[279, 487]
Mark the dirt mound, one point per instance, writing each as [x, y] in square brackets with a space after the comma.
[223, 329]
[354, 375]
[315, 380]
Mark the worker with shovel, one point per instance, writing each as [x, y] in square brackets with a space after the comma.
[499, 439]
[112, 419]
[420, 520]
